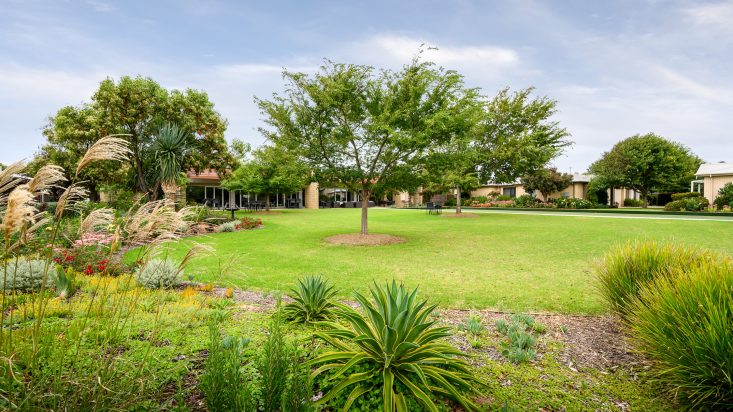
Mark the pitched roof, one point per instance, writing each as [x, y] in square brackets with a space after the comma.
[707, 169]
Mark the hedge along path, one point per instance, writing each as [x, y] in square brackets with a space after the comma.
[596, 215]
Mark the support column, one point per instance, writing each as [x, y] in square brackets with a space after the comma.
[311, 196]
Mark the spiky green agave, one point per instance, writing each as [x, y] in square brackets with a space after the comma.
[395, 340]
[312, 300]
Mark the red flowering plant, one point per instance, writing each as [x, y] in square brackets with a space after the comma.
[249, 223]
[91, 254]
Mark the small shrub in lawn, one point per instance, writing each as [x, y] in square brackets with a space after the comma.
[224, 383]
[159, 273]
[684, 324]
[248, 223]
[227, 227]
[26, 275]
[312, 300]
[626, 268]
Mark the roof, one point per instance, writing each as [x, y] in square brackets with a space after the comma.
[707, 169]
[208, 176]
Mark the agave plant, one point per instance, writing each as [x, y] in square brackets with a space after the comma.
[393, 339]
[312, 300]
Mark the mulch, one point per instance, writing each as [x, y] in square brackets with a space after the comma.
[589, 341]
[356, 239]
[460, 215]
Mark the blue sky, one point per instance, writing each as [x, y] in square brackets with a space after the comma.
[616, 68]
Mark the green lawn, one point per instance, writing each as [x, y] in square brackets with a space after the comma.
[519, 262]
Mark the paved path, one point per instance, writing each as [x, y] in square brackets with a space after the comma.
[611, 215]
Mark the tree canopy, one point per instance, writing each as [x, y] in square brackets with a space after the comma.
[646, 163]
[364, 129]
[516, 135]
[137, 108]
[272, 169]
[546, 181]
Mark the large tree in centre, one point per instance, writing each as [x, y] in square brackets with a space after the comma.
[646, 163]
[364, 129]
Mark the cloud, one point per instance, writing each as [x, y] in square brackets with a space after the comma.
[712, 15]
[386, 50]
[101, 6]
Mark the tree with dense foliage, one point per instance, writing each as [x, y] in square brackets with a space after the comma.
[363, 129]
[452, 167]
[272, 169]
[646, 163]
[137, 108]
[725, 196]
[515, 136]
[546, 181]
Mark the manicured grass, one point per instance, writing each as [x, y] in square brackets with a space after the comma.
[519, 262]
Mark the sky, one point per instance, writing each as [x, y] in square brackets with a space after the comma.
[615, 68]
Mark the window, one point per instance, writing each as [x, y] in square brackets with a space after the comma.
[510, 191]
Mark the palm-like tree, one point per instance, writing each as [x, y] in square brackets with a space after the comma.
[169, 149]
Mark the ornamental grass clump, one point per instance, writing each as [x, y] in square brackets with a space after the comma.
[392, 339]
[684, 325]
[625, 269]
[312, 300]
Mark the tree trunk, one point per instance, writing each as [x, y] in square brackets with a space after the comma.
[93, 193]
[267, 202]
[364, 211]
[458, 201]
[644, 199]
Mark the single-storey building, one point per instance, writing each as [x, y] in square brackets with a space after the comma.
[710, 177]
[577, 189]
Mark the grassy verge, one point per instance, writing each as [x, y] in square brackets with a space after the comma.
[518, 262]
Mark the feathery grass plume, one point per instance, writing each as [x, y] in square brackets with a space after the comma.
[153, 222]
[9, 180]
[72, 194]
[20, 210]
[97, 218]
[47, 177]
[107, 148]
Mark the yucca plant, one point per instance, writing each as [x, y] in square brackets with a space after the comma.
[312, 300]
[684, 325]
[625, 269]
[392, 339]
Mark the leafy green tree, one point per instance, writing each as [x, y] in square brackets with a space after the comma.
[138, 107]
[69, 134]
[647, 163]
[363, 129]
[546, 181]
[452, 168]
[273, 169]
[725, 196]
[516, 135]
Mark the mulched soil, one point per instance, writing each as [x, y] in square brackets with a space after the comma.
[460, 215]
[364, 240]
[588, 341]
